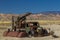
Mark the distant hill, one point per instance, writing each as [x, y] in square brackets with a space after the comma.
[51, 12]
[49, 15]
[7, 17]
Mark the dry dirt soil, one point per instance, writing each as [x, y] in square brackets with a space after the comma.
[54, 27]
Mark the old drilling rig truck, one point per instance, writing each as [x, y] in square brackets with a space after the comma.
[21, 28]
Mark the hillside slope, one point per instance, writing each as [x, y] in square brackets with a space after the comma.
[38, 16]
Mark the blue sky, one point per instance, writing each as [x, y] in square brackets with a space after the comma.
[34, 6]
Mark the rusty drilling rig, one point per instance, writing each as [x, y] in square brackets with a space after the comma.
[21, 28]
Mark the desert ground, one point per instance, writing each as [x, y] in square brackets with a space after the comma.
[54, 27]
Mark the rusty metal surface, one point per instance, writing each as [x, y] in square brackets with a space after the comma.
[22, 34]
[5, 33]
[12, 34]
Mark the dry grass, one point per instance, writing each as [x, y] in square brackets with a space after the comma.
[40, 22]
[44, 22]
